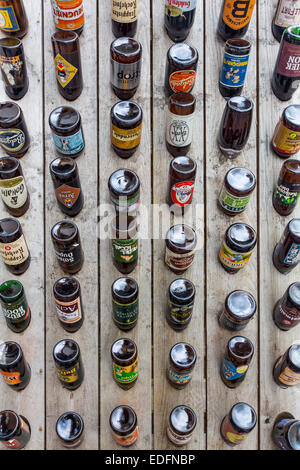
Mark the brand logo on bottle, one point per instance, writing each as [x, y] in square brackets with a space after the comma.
[292, 255]
[237, 13]
[14, 192]
[69, 312]
[288, 13]
[14, 253]
[8, 19]
[289, 62]
[67, 195]
[126, 138]
[67, 18]
[65, 72]
[175, 8]
[182, 81]
[234, 70]
[12, 140]
[124, 11]
[182, 193]
[127, 374]
[11, 378]
[125, 76]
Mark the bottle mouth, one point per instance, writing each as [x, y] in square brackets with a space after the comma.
[9, 233]
[74, 417]
[70, 161]
[13, 297]
[7, 437]
[7, 352]
[8, 160]
[241, 44]
[294, 31]
[10, 43]
[65, 36]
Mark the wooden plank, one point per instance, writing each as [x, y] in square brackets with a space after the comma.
[30, 402]
[219, 398]
[138, 397]
[165, 396]
[85, 399]
[273, 342]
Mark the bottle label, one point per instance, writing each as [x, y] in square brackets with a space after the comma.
[284, 196]
[175, 8]
[68, 15]
[177, 378]
[287, 376]
[289, 62]
[292, 256]
[182, 193]
[124, 201]
[233, 203]
[178, 439]
[230, 433]
[69, 375]
[12, 68]
[125, 76]
[124, 11]
[126, 138]
[179, 262]
[232, 259]
[237, 13]
[14, 253]
[126, 375]
[285, 140]
[125, 314]
[67, 195]
[125, 251]
[8, 19]
[14, 192]
[180, 129]
[70, 256]
[231, 372]
[234, 70]
[65, 72]
[228, 323]
[12, 140]
[11, 378]
[180, 313]
[288, 316]
[18, 313]
[69, 145]
[182, 81]
[69, 312]
[288, 13]
[126, 440]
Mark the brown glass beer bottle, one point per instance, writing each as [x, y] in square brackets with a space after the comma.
[126, 65]
[181, 68]
[67, 246]
[13, 68]
[124, 16]
[67, 296]
[13, 18]
[13, 189]
[68, 15]
[286, 313]
[238, 355]
[237, 247]
[287, 252]
[286, 138]
[240, 307]
[125, 244]
[124, 425]
[182, 177]
[287, 191]
[287, 14]
[181, 298]
[234, 70]
[181, 242]
[235, 18]
[286, 432]
[239, 184]
[67, 132]
[181, 425]
[15, 430]
[180, 123]
[286, 372]
[14, 137]
[124, 187]
[70, 429]
[126, 128]
[124, 355]
[125, 303]
[14, 369]
[13, 246]
[68, 362]
[237, 425]
[182, 361]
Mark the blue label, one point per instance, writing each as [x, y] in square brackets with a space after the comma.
[8, 20]
[292, 255]
[69, 145]
[230, 372]
[234, 70]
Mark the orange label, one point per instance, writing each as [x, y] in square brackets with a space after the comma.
[237, 13]
[126, 138]
[286, 140]
[182, 81]
[67, 195]
[126, 440]
[68, 15]
[11, 378]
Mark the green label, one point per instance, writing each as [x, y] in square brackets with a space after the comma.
[125, 251]
[233, 203]
[125, 314]
[126, 375]
[283, 194]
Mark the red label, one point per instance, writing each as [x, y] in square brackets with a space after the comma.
[289, 63]
[182, 81]
[13, 444]
[182, 193]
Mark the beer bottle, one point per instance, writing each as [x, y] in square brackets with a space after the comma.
[14, 369]
[179, 18]
[235, 18]
[235, 364]
[286, 432]
[240, 307]
[14, 137]
[181, 67]
[286, 372]
[13, 187]
[235, 126]
[67, 246]
[181, 425]
[126, 65]
[13, 246]
[126, 128]
[182, 177]
[125, 303]
[237, 248]
[287, 14]
[180, 123]
[124, 16]
[69, 367]
[181, 243]
[286, 253]
[124, 187]
[124, 355]
[286, 313]
[239, 184]
[287, 191]
[125, 243]
[286, 139]
[13, 18]
[181, 298]
[68, 15]
[15, 430]
[286, 74]
[67, 61]
[65, 177]
[14, 306]
[236, 426]
[67, 133]
[124, 425]
[234, 70]
[182, 361]
[70, 429]
[67, 296]
[13, 68]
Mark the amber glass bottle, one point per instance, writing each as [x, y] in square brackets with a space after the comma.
[240, 307]
[180, 123]
[14, 137]
[179, 18]
[68, 15]
[286, 370]
[237, 247]
[13, 189]
[13, 246]
[67, 246]
[67, 132]
[181, 242]
[124, 16]
[235, 18]
[181, 425]
[235, 364]
[181, 68]
[124, 355]
[287, 251]
[287, 14]
[126, 128]
[126, 65]
[125, 303]
[13, 18]
[286, 313]
[286, 432]
[70, 429]
[124, 425]
[15, 430]
[14, 368]
[237, 425]
[69, 367]
[182, 177]
[239, 184]
[124, 187]
[287, 191]
[181, 298]
[182, 361]
[234, 70]
[67, 295]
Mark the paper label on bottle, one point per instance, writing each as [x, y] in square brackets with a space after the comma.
[125, 76]
[126, 440]
[67, 195]
[14, 253]
[12, 68]
[289, 377]
[284, 196]
[68, 376]
[8, 19]
[179, 262]
[288, 13]
[179, 379]
[12, 140]
[69, 312]
[237, 13]
[126, 375]
[124, 11]
[65, 72]
[68, 15]
[231, 372]
[182, 81]
[182, 193]
[289, 315]
[14, 192]
[125, 314]
[126, 138]
[180, 129]
[18, 313]
[289, 63]
[69, 144]
[286, 140]
[70, 256]
[234, 70]
[125, 251]
[230, 433]
[11, 378]
[178, 439]
[180, 313]
[232, 203]
[293, 255]
[175, 8]
[232, 259]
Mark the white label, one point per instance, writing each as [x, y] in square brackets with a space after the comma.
[180, 129]
[14, 192]
[288, 13]
[14, 253]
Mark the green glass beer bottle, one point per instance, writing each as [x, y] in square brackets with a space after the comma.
[14, 306]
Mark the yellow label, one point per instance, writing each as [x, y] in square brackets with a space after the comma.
[65, 72]
[286, 140]
[14, 253]
[233, 259]
[68, 376]
[124, 11]
[126, 374]
[126, 138]
[234, 438]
